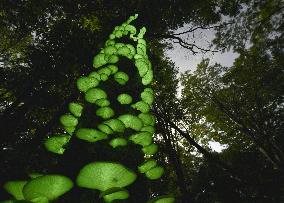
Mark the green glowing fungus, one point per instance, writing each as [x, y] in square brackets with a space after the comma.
[124, 99]
[68, 120]
[115, 194]
[105, 175]
[102, 102]
[99, 60]
[142, 138]
[105, 128]
[146, 166]
[112, 68]
[141, 106]
[121, 78]
[55, 144]
[131, 121]
[105, 112]
[154, 173]
[162, 199]
[147, 97]
[15, 188]
[48, 187]
[149, 129]
[90, 135]
[147, 119]
[94, 94]
[151, 149]
[75, 108]
[85, 83]
[118, 142]
[116, 125]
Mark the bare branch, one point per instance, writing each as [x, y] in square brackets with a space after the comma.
[203, 28]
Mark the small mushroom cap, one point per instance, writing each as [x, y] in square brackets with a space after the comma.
[94, 94]
[124, 99]
[90, 135]
[68, 120]
[15, 188]
[99, 60]
[149, 129]
[55, 144]
[75, 108]
[102, 102]
[141, 106]
[105, 128]
[147, 97]
[112, 68]
[95, 75]
[117, 194]
[116, 125]
[162, 199]
[121, 77]
[105, 112]
[105, 175]
[131, 121]
[48, 187]
[150, 149]
[142, 138]
[155, 173]
[146, 166]
[85, 83]
[147, 118]
[118, 142]
[148, 78]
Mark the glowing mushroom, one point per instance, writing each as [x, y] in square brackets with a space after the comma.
[46, 188]
[55, 144]
[75, 108]
[15, 188]
[90, 135]
[162, 199]
[104, 176]
[124, 98]
[131, 121]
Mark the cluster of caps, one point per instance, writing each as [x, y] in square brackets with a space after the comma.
[39, 189]
[108, 177]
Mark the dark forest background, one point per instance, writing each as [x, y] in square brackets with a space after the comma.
[45, 45]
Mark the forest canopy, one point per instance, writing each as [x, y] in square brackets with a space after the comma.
[45, 46]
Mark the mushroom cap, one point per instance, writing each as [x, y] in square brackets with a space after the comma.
[162, 199]
[15, 189]
[146, 166]
[131, 121]
[68, 120]
[90, 135]
[47, 187]
[124, 98]
[155, 173]
[142, 138]
[150, 149]
[75, 108]
[115, 194]
[118, 142]
[55, 144]
[105, 175]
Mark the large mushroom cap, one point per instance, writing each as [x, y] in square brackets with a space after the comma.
[105, 175]
[47, 187]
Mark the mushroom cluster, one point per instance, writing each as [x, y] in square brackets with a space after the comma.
[109, 178]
